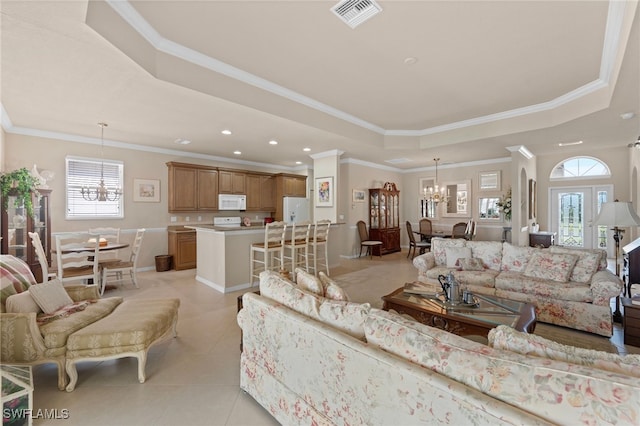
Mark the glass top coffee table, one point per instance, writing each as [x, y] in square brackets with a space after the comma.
[485, 313]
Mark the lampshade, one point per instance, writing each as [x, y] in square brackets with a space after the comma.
[616, 213]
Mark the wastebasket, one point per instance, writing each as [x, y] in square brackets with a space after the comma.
[163, 262]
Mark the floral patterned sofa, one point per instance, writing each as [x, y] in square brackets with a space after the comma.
[312, 360]
[569, 287]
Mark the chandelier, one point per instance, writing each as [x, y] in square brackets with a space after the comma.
[101, 192]
[435, 194]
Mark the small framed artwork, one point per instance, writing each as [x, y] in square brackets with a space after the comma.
[359, 196]
[324, 192]
[489, 181]
[146, 190]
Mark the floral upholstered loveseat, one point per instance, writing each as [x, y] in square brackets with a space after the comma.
[569, 287]
[312, 360]
[76, 325]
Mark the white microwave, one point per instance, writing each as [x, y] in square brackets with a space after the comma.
[232, 202]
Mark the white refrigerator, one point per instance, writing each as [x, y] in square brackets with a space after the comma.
[295, 210]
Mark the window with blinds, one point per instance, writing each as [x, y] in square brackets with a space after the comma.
[87, 172]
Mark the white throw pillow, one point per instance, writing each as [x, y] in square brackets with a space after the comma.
[50, 296]
[455, 253]
[22, 303]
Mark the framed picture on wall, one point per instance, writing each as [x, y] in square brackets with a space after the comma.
[324, 191]
[359, 196]
[146, 190]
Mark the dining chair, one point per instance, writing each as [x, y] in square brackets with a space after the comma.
[318, 244]
[111, 235]
[365, 241]
[459, 230]
[272, 250]
[413, 244]
[425, 227]
[47, 271]
[118, 269]
[298, 246]
[77, 258]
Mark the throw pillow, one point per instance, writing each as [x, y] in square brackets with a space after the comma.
[331, 289]
[50, 296]
[587, 263]
[503, 337]
[22, 303]
[551, 266]
[473, 264]
[455, 253]
[308, 282]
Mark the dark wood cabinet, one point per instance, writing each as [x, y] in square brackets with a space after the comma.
[16, 225]
[183, 247]
[631, 322]
[542, 239]
[631, 264]
[384, 218]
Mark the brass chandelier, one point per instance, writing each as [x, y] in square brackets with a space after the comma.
[101, 192]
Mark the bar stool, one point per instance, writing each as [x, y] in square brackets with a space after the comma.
[298, 246]
[319, 244]
[272, 249]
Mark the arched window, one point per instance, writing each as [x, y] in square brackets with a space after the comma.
[580, 167]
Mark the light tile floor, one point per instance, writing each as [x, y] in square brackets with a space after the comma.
[194, 378]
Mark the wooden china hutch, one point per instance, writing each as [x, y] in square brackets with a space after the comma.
[384, 218]
[16, 225]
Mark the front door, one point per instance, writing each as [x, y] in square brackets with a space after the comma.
[572, 211]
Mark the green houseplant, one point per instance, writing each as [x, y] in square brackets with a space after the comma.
[20, 184]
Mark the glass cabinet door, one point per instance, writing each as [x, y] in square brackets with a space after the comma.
[375, 211]
[383, 210]
[17, 226]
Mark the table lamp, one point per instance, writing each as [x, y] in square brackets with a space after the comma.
[619, 215]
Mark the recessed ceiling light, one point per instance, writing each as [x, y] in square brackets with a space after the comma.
[181, 141]
[410, 60]
[627, 115]
[569, 143]
[307, 149]
[298, 162]
[226, 132]
[273, 142]
[237, 152]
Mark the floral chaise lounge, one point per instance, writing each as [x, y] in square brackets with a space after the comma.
[569, 287]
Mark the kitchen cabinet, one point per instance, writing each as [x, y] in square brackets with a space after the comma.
[182, 246]
[288, 185]
[192, 188]
[384, 218]
[231, 182]
[260, 192]
[16, 225]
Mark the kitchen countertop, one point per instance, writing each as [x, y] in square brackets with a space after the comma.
[179, 229]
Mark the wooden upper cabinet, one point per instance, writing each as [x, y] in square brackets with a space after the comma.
[231, 182]
[260, 192]
[182, 187]
[192, 187]
[207, 190]
[294, 186]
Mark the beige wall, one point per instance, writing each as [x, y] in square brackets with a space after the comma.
[24, 151]
[634, 187]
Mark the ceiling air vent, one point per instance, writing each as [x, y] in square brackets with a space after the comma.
[355, 12]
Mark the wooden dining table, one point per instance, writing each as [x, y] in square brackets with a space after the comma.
[90, 247]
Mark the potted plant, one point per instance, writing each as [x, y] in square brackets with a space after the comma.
[20, 184]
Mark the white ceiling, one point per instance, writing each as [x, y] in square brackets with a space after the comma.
[487, 75]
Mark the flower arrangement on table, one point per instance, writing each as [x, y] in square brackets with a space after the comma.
[504, 205]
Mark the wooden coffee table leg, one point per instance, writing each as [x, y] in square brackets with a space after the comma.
[527, 321]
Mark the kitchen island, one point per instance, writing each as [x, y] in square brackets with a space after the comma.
[223, 254]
